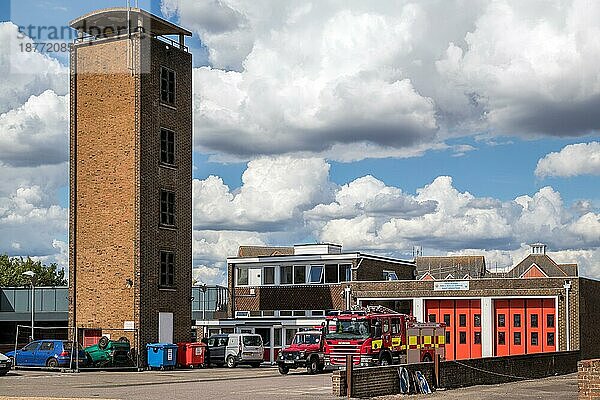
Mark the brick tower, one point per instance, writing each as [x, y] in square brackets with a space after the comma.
[130, 178]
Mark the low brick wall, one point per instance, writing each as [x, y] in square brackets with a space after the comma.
[379, 381]
[588, 379]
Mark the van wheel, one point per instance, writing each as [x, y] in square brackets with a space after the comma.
[313, 365]
[284, 369]
[230, 362]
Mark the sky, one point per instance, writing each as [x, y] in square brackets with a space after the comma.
[459, 127]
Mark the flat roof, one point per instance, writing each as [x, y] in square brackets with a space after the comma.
[117, 16]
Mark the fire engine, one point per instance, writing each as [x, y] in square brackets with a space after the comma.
[380, 336]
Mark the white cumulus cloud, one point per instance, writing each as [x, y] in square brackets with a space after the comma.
[571, 160]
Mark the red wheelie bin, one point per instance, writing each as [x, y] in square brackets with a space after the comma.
[191, 354]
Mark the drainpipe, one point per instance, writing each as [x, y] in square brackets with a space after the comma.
[347, 295]
[567, 286]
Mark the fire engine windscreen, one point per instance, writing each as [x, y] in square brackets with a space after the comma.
[347, 329]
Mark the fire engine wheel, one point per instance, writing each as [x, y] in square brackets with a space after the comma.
[313, 365]
[427, 358]
[284, 369]
[385, 359]
[230, 362]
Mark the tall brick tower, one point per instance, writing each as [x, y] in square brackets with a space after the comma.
[130, 178]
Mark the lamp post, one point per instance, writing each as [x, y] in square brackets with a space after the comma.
[31, 275]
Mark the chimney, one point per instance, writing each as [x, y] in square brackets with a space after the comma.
[538, 248]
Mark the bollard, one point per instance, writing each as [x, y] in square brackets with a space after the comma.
[436, 370]
[349, 366]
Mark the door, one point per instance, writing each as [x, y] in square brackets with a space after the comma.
[265, 334]
[254, 276]
[26, 354]
[475, 321]
[502, 309]
[534, 326]
[463, 330]
[43, 353]
[549, 330]
[165, 327]
[517, 323]
[447, 315]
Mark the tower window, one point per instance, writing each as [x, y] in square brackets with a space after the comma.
[167, 85]
[167, 208]
[167, 268]
[167, 147]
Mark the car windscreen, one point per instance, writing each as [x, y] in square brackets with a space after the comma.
[252, 341]
[348, 329]
[307, 338]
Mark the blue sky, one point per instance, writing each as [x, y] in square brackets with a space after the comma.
[308, 100]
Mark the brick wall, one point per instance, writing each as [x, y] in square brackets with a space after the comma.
[297, 297]
[378, 381]
[588, 379]
[372, 270]
[589, 317]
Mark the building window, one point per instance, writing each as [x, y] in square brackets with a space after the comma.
[242, 276]
[269, 276]
[285, 275]
[299, 274]
[167, 268]
[331, 273]
[447, 320]
[462, 337]
[447, 337]
[289, 336]
[431, 317]
[167, 208]
[517, 320]
[167, 147]
[550, 320]
[477, 338]
[390, 276]
[534, 338]
[501, 320]
[167, 85]
[534, 320]
[550, 338]
[316, 274]
[299, 313]
[285, 313]
[501, 338]
[345, 273]
[477, 320]
[517, 338]
[462, 320]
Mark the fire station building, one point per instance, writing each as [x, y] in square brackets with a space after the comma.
[534, 306]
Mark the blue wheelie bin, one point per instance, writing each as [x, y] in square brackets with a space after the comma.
[162, 355]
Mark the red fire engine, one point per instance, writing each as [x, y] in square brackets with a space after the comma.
[380, 336]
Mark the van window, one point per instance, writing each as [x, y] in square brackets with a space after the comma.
[233, 340]
[252, 340]
[222, 341]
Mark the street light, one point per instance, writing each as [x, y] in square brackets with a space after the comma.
[31, 275]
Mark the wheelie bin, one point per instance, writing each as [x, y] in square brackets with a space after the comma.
[191, 354]
[162, 355]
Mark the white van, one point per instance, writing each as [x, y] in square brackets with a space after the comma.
[236, 348]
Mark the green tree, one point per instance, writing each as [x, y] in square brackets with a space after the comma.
[12, 268]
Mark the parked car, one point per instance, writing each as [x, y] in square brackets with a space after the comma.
[47, 353]
[306, 350]
[5, 364]
[110, 353]
[235, 348]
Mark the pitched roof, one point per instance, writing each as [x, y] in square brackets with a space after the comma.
[441, 267]
[264, 251]
[543, 262]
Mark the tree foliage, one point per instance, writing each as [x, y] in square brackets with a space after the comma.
[12, 268]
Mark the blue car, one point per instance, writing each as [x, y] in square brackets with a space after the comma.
[46, 353]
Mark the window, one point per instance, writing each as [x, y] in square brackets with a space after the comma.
[167, 147]
[269, 276]
[462, 320]
[447, 337]
[167, 85]
[477, 320]
[167, 208]
[242, 276]
[462, 337]
[534, 320]
[299, 274]
[289, 336]
[517, 320]
[277, 337]
[285, 275]
[167, 268]
[431, 317]
[331, 273]
[550, 320]
[316, 274]
[447, 320]
[345, 273]
[534, 338]
[390, 276]
[285, 313]
[31, 346]
[477, 338]
[47, 346]
[317, 313]
[395, 325]
[386, 325]
[501, 320]
[517, 338]
[501, 338]
[299, 313]
[550, 338]
[268, 313]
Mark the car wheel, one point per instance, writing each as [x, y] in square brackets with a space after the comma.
[284, 369]
[52, 363]
[103, 342]
[427, 358]
[12, 361]
[313, 365]
[230, 362]
[385, 360]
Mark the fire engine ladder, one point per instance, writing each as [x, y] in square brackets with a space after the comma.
[381, 309]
